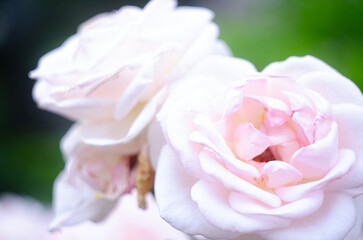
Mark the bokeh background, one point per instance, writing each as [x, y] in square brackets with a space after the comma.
[261, 31]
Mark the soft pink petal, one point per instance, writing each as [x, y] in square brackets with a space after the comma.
[303, 122]
[200, 48]
[297, 102]
[322, 106]
[56, 61]
[124, 131]
[346, 160]
[284, 151]
[250, 111]
[338, 88]
[109, 131]
[317, 159]
[132, 93]
[332, 221]
[146, 114]
[279, 134]
[211, 138]
[156, 140]
[177, 125]
[356, 230]
[233, 99]
[210, 131]
[77, 204]
[349, 119]
[296, 67]
[74, 108]
[295, 210]
[250, 142]
[279, 173]
[236, 183]
[70, 141]
[277, 111]
[23, 218]
[235, 165]
[223, 71]
[212, 201]
[172, 192]
[225, 68]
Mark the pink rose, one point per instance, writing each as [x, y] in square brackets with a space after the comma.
[93, 180]
[270, 155]
[112, 73]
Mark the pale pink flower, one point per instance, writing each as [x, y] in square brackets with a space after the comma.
[93, 179]
[22, 218]
[127, 221]
[113, 73]
[270, 155]
[25, 219]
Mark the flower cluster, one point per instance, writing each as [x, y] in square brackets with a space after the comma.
[236, 153]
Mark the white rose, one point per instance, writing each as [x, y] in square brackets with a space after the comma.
[112, 73]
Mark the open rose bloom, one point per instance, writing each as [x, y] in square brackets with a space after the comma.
[113, 73]
[111, 77]
[270, 155]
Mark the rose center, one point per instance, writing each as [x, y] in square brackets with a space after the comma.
[265, 157]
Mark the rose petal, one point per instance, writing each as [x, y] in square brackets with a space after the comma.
[297, 102]
[249, 142]
[156, 141]
[322, 106]
[52, 63]
[70, 141]
[303, 122]
[77, 204]
[235, 183]
[208, 128]
[279, 173]
[346, 160]
[316, 159]
[295, 210]
[133, 92]
[228, 159]
[284, 151]
[338, 88]
[296, 67]
[224, 68]
[212, 201]
[109, 132]
[250, 111]
[177, 126]
[349, 119]
[279, 134]
[356, 230]
[277, 111]
[172, 192]
[332, 221]
[75, 108]
[146, 114]
[200, 47]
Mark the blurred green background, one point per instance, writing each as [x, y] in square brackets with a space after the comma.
[261, 31]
